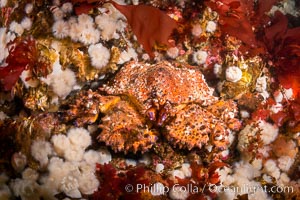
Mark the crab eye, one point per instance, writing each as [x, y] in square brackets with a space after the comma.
[163, 115]
[162, 118]
[151, 114]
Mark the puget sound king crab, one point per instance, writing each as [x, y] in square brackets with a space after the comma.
[146, 101]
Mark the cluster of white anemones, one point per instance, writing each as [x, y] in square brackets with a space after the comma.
[70, 167]
[58, 77]
[84, 29]
[199, 57]
[268, 133]
[89, 31]
[241, 177]
[239, 181]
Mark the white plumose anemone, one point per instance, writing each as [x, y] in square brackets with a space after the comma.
[285, 163]
[28, 8]
[85, 21]
[271, 168]
[79, 137]
[261, 84]
[269, 132]
[67, 7]
[99, 55]
[173, 52]
[211, 27]
[126, 56]
[105, 156]
[177, 173]
[16, 28]
[107, 25]
[218, 70]
[159, 168]
[26, 23]
[88, 183]
[60, 29]
[5, 38]
[233, 74]
[30, 174]
[3, 3]
[199, 57]
[92, 157]
[58, 14]
[18, 161]
[70, 187]
[178, 193]
[157, 189]
[25, 189]
[89, 36]
[196, 30]
[63, 83]
[74, 153]
[41, 150]
[60, 142]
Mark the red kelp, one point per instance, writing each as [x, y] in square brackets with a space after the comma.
[203, 180]
[22, 54]
[246, 20]
[111, 189]
[260, 8]
[283, 44]
[150, 25]
[289, 113]
[234, 19]
[271, 36]
[274, 34]
[113, 184]
[243, 19]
